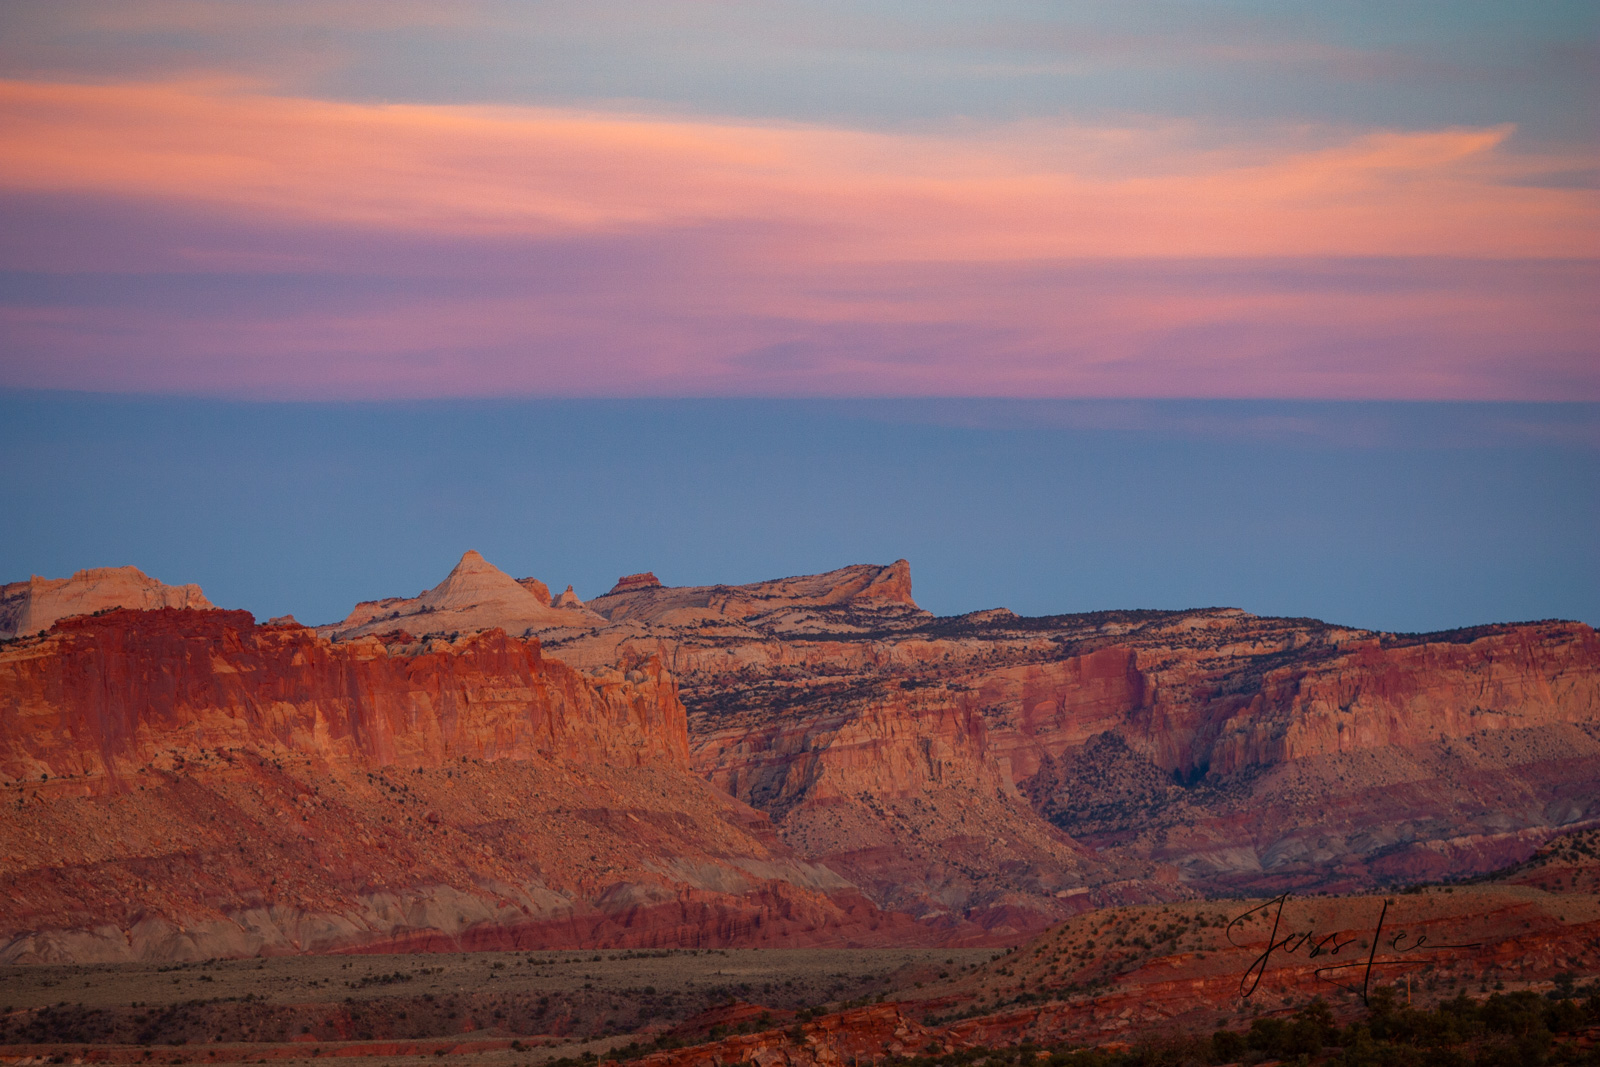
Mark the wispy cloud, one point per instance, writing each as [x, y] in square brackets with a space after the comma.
[417, 250]
[1033, 191]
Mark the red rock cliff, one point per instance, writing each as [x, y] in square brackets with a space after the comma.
[1208, 750]
[186, 784]
[105, 695]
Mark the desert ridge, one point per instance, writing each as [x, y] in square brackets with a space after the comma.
[1011, 771]
[186, 784]
[151, 689]
[812, 760]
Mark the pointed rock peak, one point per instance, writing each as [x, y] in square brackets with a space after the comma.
[630, 583]
[475, 596]
[475, 581]
[569, 599]
[472, 562]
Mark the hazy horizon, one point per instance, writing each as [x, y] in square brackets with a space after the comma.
[1412, 517]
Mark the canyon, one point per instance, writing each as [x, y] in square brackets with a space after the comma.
[809, 761]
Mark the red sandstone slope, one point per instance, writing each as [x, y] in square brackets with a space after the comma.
[182, 783]
[104, 696]
[1158, 972]
[1135, 974]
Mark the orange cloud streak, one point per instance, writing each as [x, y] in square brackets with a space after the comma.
[1031, 191]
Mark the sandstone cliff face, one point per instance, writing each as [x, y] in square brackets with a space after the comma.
[104, 696]
[1203, 751]
[906, 799]
[33, 606]
[1381, 692]
[182, 784]
[986, 775]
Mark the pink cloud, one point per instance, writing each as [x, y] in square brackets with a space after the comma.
[693, 319]
[1029, 192]
[487, 251]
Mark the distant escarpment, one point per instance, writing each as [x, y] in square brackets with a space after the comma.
[1010, 770]
[181, 784]
[643, 599]
[809, 760]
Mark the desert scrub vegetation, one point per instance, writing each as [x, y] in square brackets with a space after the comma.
[1522, 1029]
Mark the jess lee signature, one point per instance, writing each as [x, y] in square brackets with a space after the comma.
[1291, 942]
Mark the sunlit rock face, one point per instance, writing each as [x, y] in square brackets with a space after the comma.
[812, 760]
[33, 606]
[1009, 770]
[183, 784]
[102, 697]
[475, 595]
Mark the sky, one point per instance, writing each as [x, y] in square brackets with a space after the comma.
[1397, 516]
[1118, 303]
[391, 200]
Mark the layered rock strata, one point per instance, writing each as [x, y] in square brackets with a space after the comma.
[1010, 770]
[986, 775]
[641, 598]
[475, 595]
[182, 784]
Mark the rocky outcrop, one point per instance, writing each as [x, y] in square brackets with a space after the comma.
[642, 599]
[475, 595]
[629, 583]
[33, 606]
[1123, 975]
[1179, 967]
[102, 697]
[986, 775]
[1202, 751]
[183, 784]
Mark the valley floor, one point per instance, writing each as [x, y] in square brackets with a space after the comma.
[554, 1003]
[1450, 964]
